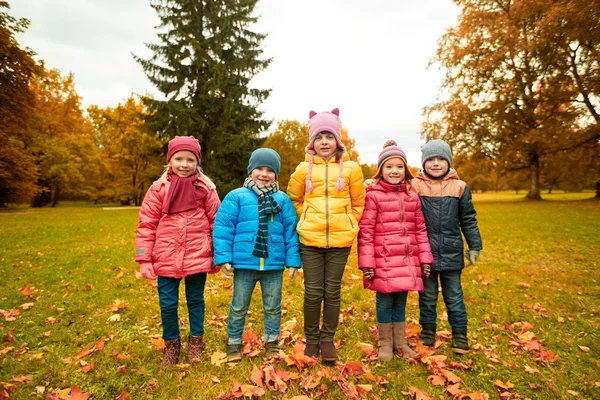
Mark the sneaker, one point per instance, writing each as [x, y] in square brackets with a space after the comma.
[234, 352]
[271, 349]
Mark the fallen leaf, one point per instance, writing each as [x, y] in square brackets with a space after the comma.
[436, 380]
[584, 349]
[122, 396]
[117, 305]
[505, 386]
[114, 318]
[22, 378]
[573, 393]
[451, 376]
[121, 368]
[159, 343]
[416, 393]
[11, 336]
[51, 320]
[218, 358]
[86, 351]
[530, 370]
[523, 285]
[77, 394]
[6, 350]
[87, 367]
[27, 290]
[364, 389]
[257, 376]
[26, 306]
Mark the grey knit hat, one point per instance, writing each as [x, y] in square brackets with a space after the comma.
[264, 157]
[436, 148]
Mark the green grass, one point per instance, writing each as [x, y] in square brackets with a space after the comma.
[539, 265]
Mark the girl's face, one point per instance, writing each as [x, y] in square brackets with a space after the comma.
[325, 145]
[262, 176]
[183, 163]
[393, 171]
[436, 166]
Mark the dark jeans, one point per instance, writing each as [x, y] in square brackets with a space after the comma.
[390, 307]
[244, 281]
[323, 271]
[168, 294]
[453, 298]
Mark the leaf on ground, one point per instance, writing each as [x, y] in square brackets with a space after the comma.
[77, 394]
[257, 376]
[11, 336]
[28, 290]
[502, 385]
[416, 393]
[298, 359]
[51, 320]
[99, 345]
[11, 387]
[218, 358]
[458, 365]
[584, 349]
[87, 367]
[123, 396]
[451, 376]
[117, 305]
[573, 393]
[351, 368]
[22, 378]
[273, 381]
[311, 381]
[26, 306]
[247, 391]
[436, 380]
[122, 357]
[85, 352]
[367, 348]
[523, 285]
[478, 396]
[455, 391]
[530, 370]
[158, 342]
[347, 388]
[364, 389]
[114, 318]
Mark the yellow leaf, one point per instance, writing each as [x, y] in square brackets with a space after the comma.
[584, 349]
[505, 386]
[218, 358]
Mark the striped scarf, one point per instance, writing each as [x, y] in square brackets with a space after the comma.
[266, 206]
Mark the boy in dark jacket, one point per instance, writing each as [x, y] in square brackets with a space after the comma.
[448, 209]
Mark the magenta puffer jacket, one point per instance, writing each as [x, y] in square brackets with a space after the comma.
[177, 244]
[393, 239]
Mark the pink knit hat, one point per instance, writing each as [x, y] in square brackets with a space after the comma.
[184, 143]
[324, 122]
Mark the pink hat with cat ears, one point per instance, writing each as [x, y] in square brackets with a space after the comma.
[324, 122]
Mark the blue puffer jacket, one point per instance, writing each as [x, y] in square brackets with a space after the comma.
[235, 231]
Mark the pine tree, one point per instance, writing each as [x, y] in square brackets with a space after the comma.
[203, 66]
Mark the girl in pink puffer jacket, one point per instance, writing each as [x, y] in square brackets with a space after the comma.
[174, 242]
[393, 248]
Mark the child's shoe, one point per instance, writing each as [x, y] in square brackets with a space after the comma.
[234, 352]
[400, 344]
[460, 343]
[428, 334]
[386, 352]
[328, 352]
[195, 349]
[311, 350]
[171, 352]
[271, 349]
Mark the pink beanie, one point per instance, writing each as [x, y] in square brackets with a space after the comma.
[184, 143]
[324, 122]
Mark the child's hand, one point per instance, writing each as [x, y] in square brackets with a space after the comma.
[147, 271]
[472, 255]
[227, 269]
[426, 270]
[368, 273]
[292, 273]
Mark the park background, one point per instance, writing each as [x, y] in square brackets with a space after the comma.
[515, 87]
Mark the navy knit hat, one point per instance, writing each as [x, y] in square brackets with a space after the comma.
[436, 148]
[264, 157]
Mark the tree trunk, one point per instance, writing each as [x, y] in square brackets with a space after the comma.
[534, 188]
[56, 196]
[598, 189]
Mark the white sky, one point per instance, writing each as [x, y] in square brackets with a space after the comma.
[366, 57]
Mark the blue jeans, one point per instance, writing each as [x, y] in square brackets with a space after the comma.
[390, 307]
[168, 295]
[244, 281]
[453, 298]
[323, 272]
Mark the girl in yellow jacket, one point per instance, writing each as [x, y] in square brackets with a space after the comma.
[328, 193]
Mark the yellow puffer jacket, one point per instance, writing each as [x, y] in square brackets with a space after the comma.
[326, 217]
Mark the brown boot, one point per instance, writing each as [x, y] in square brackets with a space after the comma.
[195, 349]
[386, 352]
[328, 352]
[311, 350]
[171, 352]
[400, 344]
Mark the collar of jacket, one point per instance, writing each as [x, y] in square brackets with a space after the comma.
[451, 174]
[319, 160]
[383, 186]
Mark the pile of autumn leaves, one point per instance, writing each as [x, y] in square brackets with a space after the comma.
[354, 378]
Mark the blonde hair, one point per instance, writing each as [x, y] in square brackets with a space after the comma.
[201, 177]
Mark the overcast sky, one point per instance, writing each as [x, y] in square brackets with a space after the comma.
[366, 57]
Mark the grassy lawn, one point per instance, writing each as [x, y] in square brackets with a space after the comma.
[76, 321]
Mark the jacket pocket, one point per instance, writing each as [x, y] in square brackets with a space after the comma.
[349, 218]
[276, 249]
[243, 245]
[303, 218]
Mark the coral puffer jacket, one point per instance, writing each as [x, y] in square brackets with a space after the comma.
[177, 244]
[326, 217]
[393, 239]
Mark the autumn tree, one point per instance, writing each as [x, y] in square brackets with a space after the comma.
[290, 138]
[16, 103]
[64, 148]
[131, 153]
[203, 66]
[522, 82]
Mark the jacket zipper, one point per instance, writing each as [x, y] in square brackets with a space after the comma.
[326, 204]
[410, 268]
[349, 219]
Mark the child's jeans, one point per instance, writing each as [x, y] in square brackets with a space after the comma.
[168, 294]
[453, 298]
[390, 307]
[244, 281]
[323, 271]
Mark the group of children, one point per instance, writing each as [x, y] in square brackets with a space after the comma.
[408, 228]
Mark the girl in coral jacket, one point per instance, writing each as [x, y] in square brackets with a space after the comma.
[328, 193]
[174, 242]
[393, 248]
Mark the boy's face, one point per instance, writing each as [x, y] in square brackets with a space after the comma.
[436, 166]
[392, 171]
[325, 144]
[263, 176]
[183, 163]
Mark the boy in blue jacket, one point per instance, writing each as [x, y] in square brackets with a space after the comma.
[254, 240]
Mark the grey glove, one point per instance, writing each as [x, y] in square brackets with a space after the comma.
[292, 273]
[227, 269]
[473, 255]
